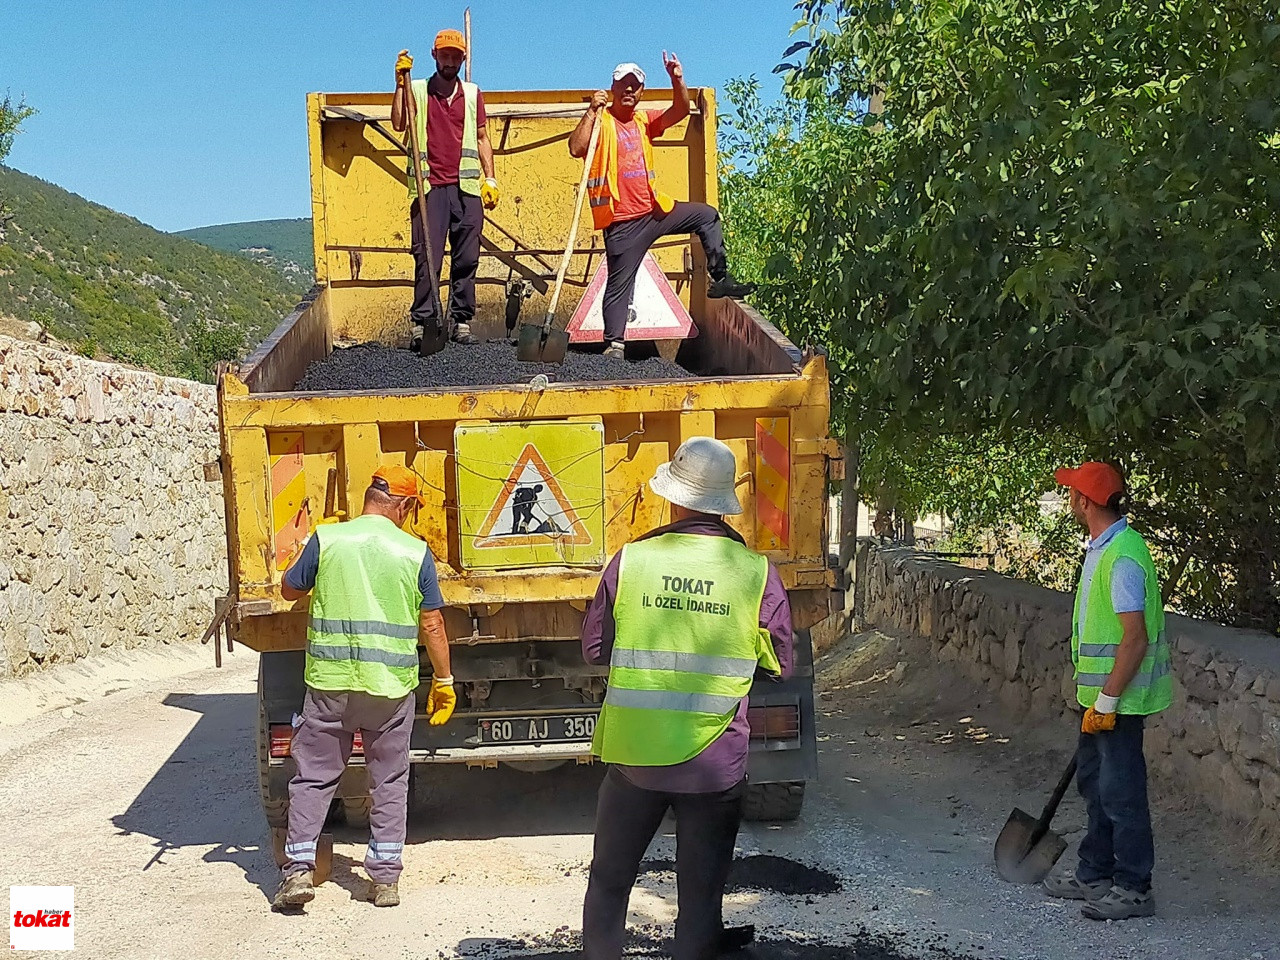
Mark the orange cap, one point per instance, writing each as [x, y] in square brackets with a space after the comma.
[1097, 481]
[401, 482]
[450, 40]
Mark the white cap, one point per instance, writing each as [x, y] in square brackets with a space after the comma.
[622, 69]
[702, 476]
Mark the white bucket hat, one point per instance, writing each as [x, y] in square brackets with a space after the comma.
[701, 476]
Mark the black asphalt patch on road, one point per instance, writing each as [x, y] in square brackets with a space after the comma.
[767, 874]
[859, 944]
[372, 366]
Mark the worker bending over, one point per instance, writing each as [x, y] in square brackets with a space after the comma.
[1123, 675]
[375, 599]
[458, 174]
[626, 202]
[684, 617]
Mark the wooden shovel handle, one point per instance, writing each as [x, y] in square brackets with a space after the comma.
[411, 108]
[577, 215]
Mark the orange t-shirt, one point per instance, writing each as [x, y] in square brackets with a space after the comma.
[634, 199]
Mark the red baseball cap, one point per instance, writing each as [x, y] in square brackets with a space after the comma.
[401, 482]
[1097, 481]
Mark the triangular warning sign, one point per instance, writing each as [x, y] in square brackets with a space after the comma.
[531, 508]
[656, 311]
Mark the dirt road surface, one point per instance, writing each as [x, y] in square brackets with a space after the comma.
[145, 801]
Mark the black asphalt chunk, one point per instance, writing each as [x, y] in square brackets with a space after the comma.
[372, 366]
[646, 943]
[767, 874]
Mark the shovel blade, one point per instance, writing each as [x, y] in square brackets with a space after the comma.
[557, 345]
[433, 340]
[529, 343]
[1020, 861]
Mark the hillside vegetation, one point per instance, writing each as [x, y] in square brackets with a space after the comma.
[120, 289]
[284, 245]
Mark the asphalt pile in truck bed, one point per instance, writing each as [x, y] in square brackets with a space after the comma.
[372, 366]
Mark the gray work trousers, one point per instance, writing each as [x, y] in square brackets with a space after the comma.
[321, 748]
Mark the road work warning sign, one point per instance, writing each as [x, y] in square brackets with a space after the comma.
[656, 311]
[531, 494]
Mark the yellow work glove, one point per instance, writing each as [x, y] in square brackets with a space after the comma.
[489, 193]
[404, 63]
[1101, 717]
[441, 701]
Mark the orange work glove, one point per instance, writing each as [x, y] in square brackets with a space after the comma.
[1101, 717]
[489, 193]
[404, 63]
[441, 701]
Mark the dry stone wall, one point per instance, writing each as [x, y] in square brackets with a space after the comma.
[1219, 742]
[109, 534]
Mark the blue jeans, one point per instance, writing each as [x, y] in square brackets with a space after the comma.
[1112, 777]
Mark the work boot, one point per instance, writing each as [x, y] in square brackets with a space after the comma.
[616, 351]
[462, 335]
[295, 890]
[415, 337]
[1120, 904]
[1067, 886]
[384, 894]
[733, 939]
[726, 286]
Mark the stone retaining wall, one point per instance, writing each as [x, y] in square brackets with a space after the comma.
[1219, 742]
[109, 534]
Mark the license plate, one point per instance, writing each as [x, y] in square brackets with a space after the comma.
[538, 729]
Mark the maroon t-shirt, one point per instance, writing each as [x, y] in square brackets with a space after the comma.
[445, 120]
[723, 764]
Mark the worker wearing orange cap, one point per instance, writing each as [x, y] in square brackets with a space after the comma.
[1123, 675]
[374, 599]
[458, 176]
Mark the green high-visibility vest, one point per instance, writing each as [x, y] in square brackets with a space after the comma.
[687, 645]
[363, 628]
[1095, 643]
[469, 172]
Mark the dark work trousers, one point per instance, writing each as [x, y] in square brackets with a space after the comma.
[460, 217]
[626, 243]
[321, 747]
[627, 817]
[1112, 777]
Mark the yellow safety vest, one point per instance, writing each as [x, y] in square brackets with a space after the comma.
[469, 171]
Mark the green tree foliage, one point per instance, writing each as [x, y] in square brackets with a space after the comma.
[1059, 236]
[12, 116]
[121, 289]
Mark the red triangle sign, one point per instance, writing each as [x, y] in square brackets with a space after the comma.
[531, 508]
[659, 314]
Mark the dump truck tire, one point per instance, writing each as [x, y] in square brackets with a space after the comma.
[355, 810]
[773, 801]
[276, 809]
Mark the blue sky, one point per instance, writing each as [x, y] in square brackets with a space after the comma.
[189, 113]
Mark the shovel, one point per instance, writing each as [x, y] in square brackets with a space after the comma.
[1027, 849]
[538, 342]
[433, 341]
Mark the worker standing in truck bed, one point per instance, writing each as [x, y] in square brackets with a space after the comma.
[684, 617]
[459, 179]
[626, 202]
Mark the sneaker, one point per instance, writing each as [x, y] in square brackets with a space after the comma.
[462, 335]
[616, 351]
[1120, 904]
[1067, 886]
[295, 890]
[726, 286]
[384, 894]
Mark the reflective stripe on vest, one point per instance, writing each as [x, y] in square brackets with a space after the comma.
[362, 633]
[1095, 643]
[469, 170]
[686, 650]
[602, 185]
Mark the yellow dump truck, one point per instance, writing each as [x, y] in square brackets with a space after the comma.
[515, 592]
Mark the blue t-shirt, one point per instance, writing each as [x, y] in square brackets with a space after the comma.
[302, 575]
[1128, 582]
